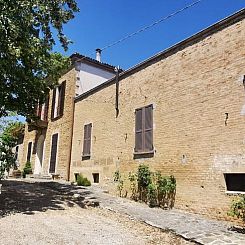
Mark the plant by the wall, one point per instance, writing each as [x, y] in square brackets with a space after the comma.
[144, 179]
[120, 187]
[152, 195]
[166, 188]
[116, 176]
[133, 185]
[83, 181]
[237, 208]
[27, 169]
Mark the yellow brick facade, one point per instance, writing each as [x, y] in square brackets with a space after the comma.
[62, 126]
[192, 90]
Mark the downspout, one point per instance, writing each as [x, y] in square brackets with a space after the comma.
[117, 91]
[72, 126]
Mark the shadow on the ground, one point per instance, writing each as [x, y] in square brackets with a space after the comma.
[25, 197]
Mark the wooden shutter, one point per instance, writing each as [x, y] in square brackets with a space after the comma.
[62, 98]
[87, 140]
[53, 153]
[144, 129]
[138, 130]
[53, 103]
[28, 158]
[46, 109]
[148, 128]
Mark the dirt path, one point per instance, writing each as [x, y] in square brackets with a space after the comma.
[37, 213]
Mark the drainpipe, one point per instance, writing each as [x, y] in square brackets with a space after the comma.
[117, 90]
[72, 126]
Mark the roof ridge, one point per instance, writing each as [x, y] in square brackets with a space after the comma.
[76, 57]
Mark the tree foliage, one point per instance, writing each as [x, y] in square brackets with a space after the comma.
[8, 139]
[28, 67]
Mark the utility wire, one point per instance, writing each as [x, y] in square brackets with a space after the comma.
[153, 24]
[147, 27]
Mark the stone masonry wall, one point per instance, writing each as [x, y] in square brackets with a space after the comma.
[191, 90]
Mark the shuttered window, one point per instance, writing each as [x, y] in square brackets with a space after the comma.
[42, 110]
[53, 155]
[87, 140]
[144, 130]
[58, 101]
[28, 158]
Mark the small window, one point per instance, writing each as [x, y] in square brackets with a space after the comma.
[235, 182]
[144, 130]
[76, 176]
[87, 141]
[96, 177]
[58, 100]
[28, 158]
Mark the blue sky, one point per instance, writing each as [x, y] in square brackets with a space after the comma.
[100, 23]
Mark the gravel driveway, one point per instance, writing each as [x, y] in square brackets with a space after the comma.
[40, 213]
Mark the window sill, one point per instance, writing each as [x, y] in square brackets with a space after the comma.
[56, 118]
[235, 192]
[85, 157]
[147, 154]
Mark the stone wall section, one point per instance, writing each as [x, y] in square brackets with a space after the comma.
[192, 91]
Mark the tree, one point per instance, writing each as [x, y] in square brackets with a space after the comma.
[8, 139]
[28, 67]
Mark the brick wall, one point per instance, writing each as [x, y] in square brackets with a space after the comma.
[192, 90]
[62, 126]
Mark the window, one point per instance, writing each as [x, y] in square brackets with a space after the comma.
[28, 158]
[96, 177]
[87, 140]
[42, 110]
[53, 155]
[235, 182]
[58, 100]
[144, 130]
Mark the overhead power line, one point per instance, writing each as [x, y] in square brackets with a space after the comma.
[151, 25]
[148, 26]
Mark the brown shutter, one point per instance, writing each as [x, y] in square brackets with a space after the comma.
[87, 140]
[28, 158]
[53, 103]
[62, 98]
[148, 128]
[144, 129]
[138, 130]
[53, 153]
[46, 109]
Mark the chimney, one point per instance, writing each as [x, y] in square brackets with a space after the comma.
[98, 54]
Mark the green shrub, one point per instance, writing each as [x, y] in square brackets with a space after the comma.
[83, 181]
[144, 179]
[152, 195]
[237, 208]
[27, 169]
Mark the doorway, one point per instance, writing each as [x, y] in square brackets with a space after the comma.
[39, 155]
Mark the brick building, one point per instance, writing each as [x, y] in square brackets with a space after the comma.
[47, 142]
[181, 111]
